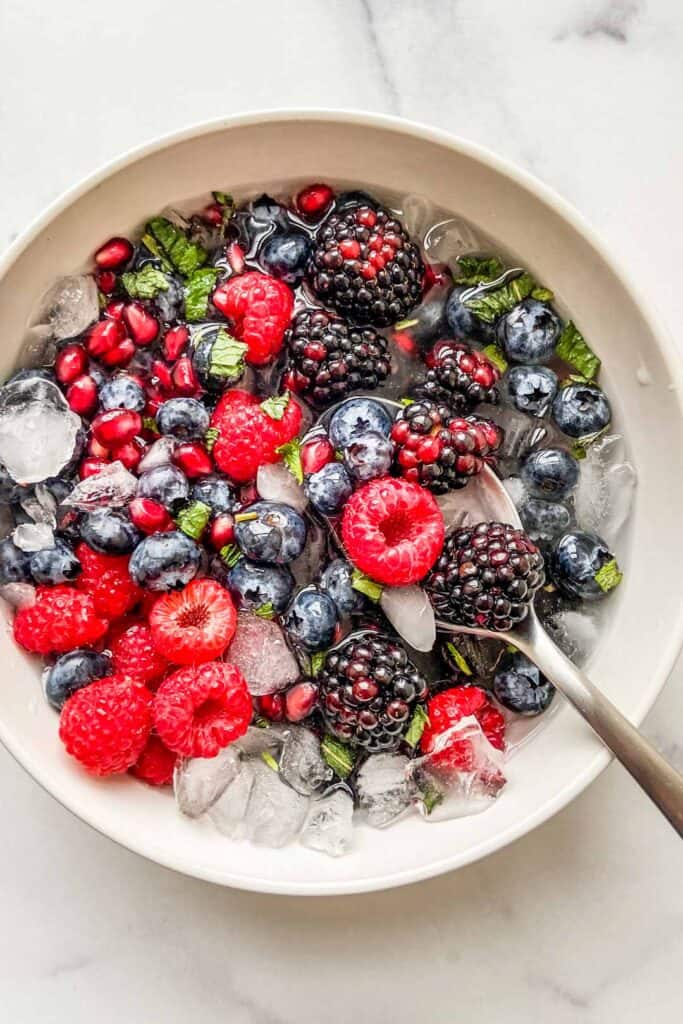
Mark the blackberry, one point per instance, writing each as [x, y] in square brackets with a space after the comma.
[439, 450]
[460, 376]
[365, 266]
[486, 576]
[329, 359]
[368, 691]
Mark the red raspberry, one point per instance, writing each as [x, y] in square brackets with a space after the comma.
[249, 435]
[446, 709]
[136, 657]
[107, 580]
[155, 764]
[105, 725]
[393, 530]
[60, 620]
[195, 624]
[199, 710]
[260, 308]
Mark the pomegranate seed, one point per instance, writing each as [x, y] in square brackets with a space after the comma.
[368, 218]
[212, 214]
[104, 336]
[174, 342]
[436, 274]
[184, 378]
[222, 531]
[90, 467]
[407, 458]
[142, 325]
[121, 355]
[97, 450]
[149, 516]
[271, 706]
[161, 375]
[114, 310]
[130, 454]
[300, 700]
[114, 253]
[116, 427]
[71, 362]
[349, 248]
[193, 459]
[235, 255]
[315, 454]
[106, 281]
[405, 341]
[314, 200]
[82, 395]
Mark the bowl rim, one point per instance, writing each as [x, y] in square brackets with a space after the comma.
[650, 313]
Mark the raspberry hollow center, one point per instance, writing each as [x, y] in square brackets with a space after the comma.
[396, 528]
[194, 616]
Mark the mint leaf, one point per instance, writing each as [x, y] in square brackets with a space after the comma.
[496, 355]
[210, 438]
[405, 402]
[574, 350]
[270, 760]
[149, 423]
[230, 554]
[477, 269]
[223, 199]
[226, 357]
[198, 287]
[276, 406]
[184, 256]
[339, 757]
[193, 519]
[542, 294]
[145, 283]
[403, 325]
[608, 576]
[458, 659]
[431, 798]
[364, 585]
[581, 446]
[418, 724]
[291, 456]
[490, 305]
[265, 611]
[317, 662]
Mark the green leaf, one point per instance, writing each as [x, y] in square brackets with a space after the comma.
[210, 438]
[184, 255]
[230, 554]
[403, 325]
[511, 649]
[496, 355]
[291, 456]
[193, 519]
[198, 287]
[608, 576]
[431, 798]
[223, 199]
[574, 350]
[261, 723]
[265, 611]
[458, 659]
[276, 406]
[405, 402]
[145, 283]
[364, 585]
[226, 358]
[582, 445]
[542, 294]
[270, 760]
[491, 305]
[339, 757]
[477, 269]
[150, 243]
[149, 423]
[317, 662]
[418, 724]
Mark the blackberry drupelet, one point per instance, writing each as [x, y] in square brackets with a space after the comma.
[368, 691]
[459, 375]
[486, 576]
[365, 266]
[329, 359]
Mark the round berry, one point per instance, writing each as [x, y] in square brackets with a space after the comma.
[285, 255]
[311, 619]
[54, 565]
[368, 455]
[165, 561]
[110, 532]
[184, 418]
[544, 520]
[581, 410]
[550, 473]
[358, 416]
[71, 672]
[530, 332]
[122, 392]
[257, 586]
[329, 489]
[462, 322]
[577, 561]
[166, 485]
[337, 582]
[531, 389]
[270, 531]
[520, 686]
[215, 492]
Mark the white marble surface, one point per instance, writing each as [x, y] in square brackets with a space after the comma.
[580, 921]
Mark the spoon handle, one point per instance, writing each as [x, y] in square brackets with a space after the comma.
[662, 783]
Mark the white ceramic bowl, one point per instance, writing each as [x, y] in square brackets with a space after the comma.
[638, 650]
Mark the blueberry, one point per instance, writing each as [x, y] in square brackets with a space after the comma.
[109, 532]
[285, 255]
[276, 534]
[531, 389]
[544, 520]
[216, 358]
[170, 302]
[215, 492]
[55, 565]
[462, 323]
[358, 416]
[368, 455]
[431, 319]
[529, 332]
[165, 561]
[550, 473]
[254, 586]
[576, 559]
[336, 581]
[311, 619]
[329, 489]
[184, 418]
[122, 392]
[165, 484]
[519, 685]
[581, 409]
[261, 217]
[73, 671]
[266, 210]
[15, 564]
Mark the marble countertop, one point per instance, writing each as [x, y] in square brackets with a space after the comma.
[583, 919]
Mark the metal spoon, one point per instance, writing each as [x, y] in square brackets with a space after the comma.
[662, 783]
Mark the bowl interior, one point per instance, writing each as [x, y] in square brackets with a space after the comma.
[636, 653]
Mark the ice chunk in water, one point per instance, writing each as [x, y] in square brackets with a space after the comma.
[275, 483]
[113, 486]
[256, 740]
[199, 781]
[18, 595]
[522, 433]
[40, 505]
[33, 536]
[38, 430]
[308, 565]
[606, 488]
[275, 812]
[69, 306]
[229, 810]
[450, 238]
[383, 788]
[462, 775]
[409, 611]
[302, 764]
[38, 347]
[260, 652]
[516, 489]
[158, 454]
[576, 633]
[329, 823]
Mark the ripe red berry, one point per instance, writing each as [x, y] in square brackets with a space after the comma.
[121, 355]
[60, 619]
[135, 656]
[155, 764]
[97, 450]
[212, 214]
[300, 700]
[82, 396]
[184, 378]
[105, 578]
[222, 531]
[106, 281]
[142, 325]
[201, 709]
[193, 459]
[130, 455]
[114, 310]
[195, 624]
[71, 362]
[149, 516]
[315, 454]
[106, 724]
[174, 343]
[161, 375]
[104, 336]
[90, 467]
[235, 257]
[445, 710]
[314, 200]
[272, 706]
[116, 427]
[114, 253]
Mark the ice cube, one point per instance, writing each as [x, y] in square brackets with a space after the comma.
[516, 489]
[462, 775]
[523, 433]
[38, 347]
[69, 306]
[383, 788]
[229, 810]
[40, 505]
[38, 431]
[256, 740]
[274, 482]
[158, 454]
[309, 564]
[260, 652]
[275, 812]
[199, 781]
[329, 823]
[450, 238]
[410, 612]
[302, 764]
[33, 536]
[576, 633]
[417, 213]
[113, 487]
[18, 595]
[606, 488]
